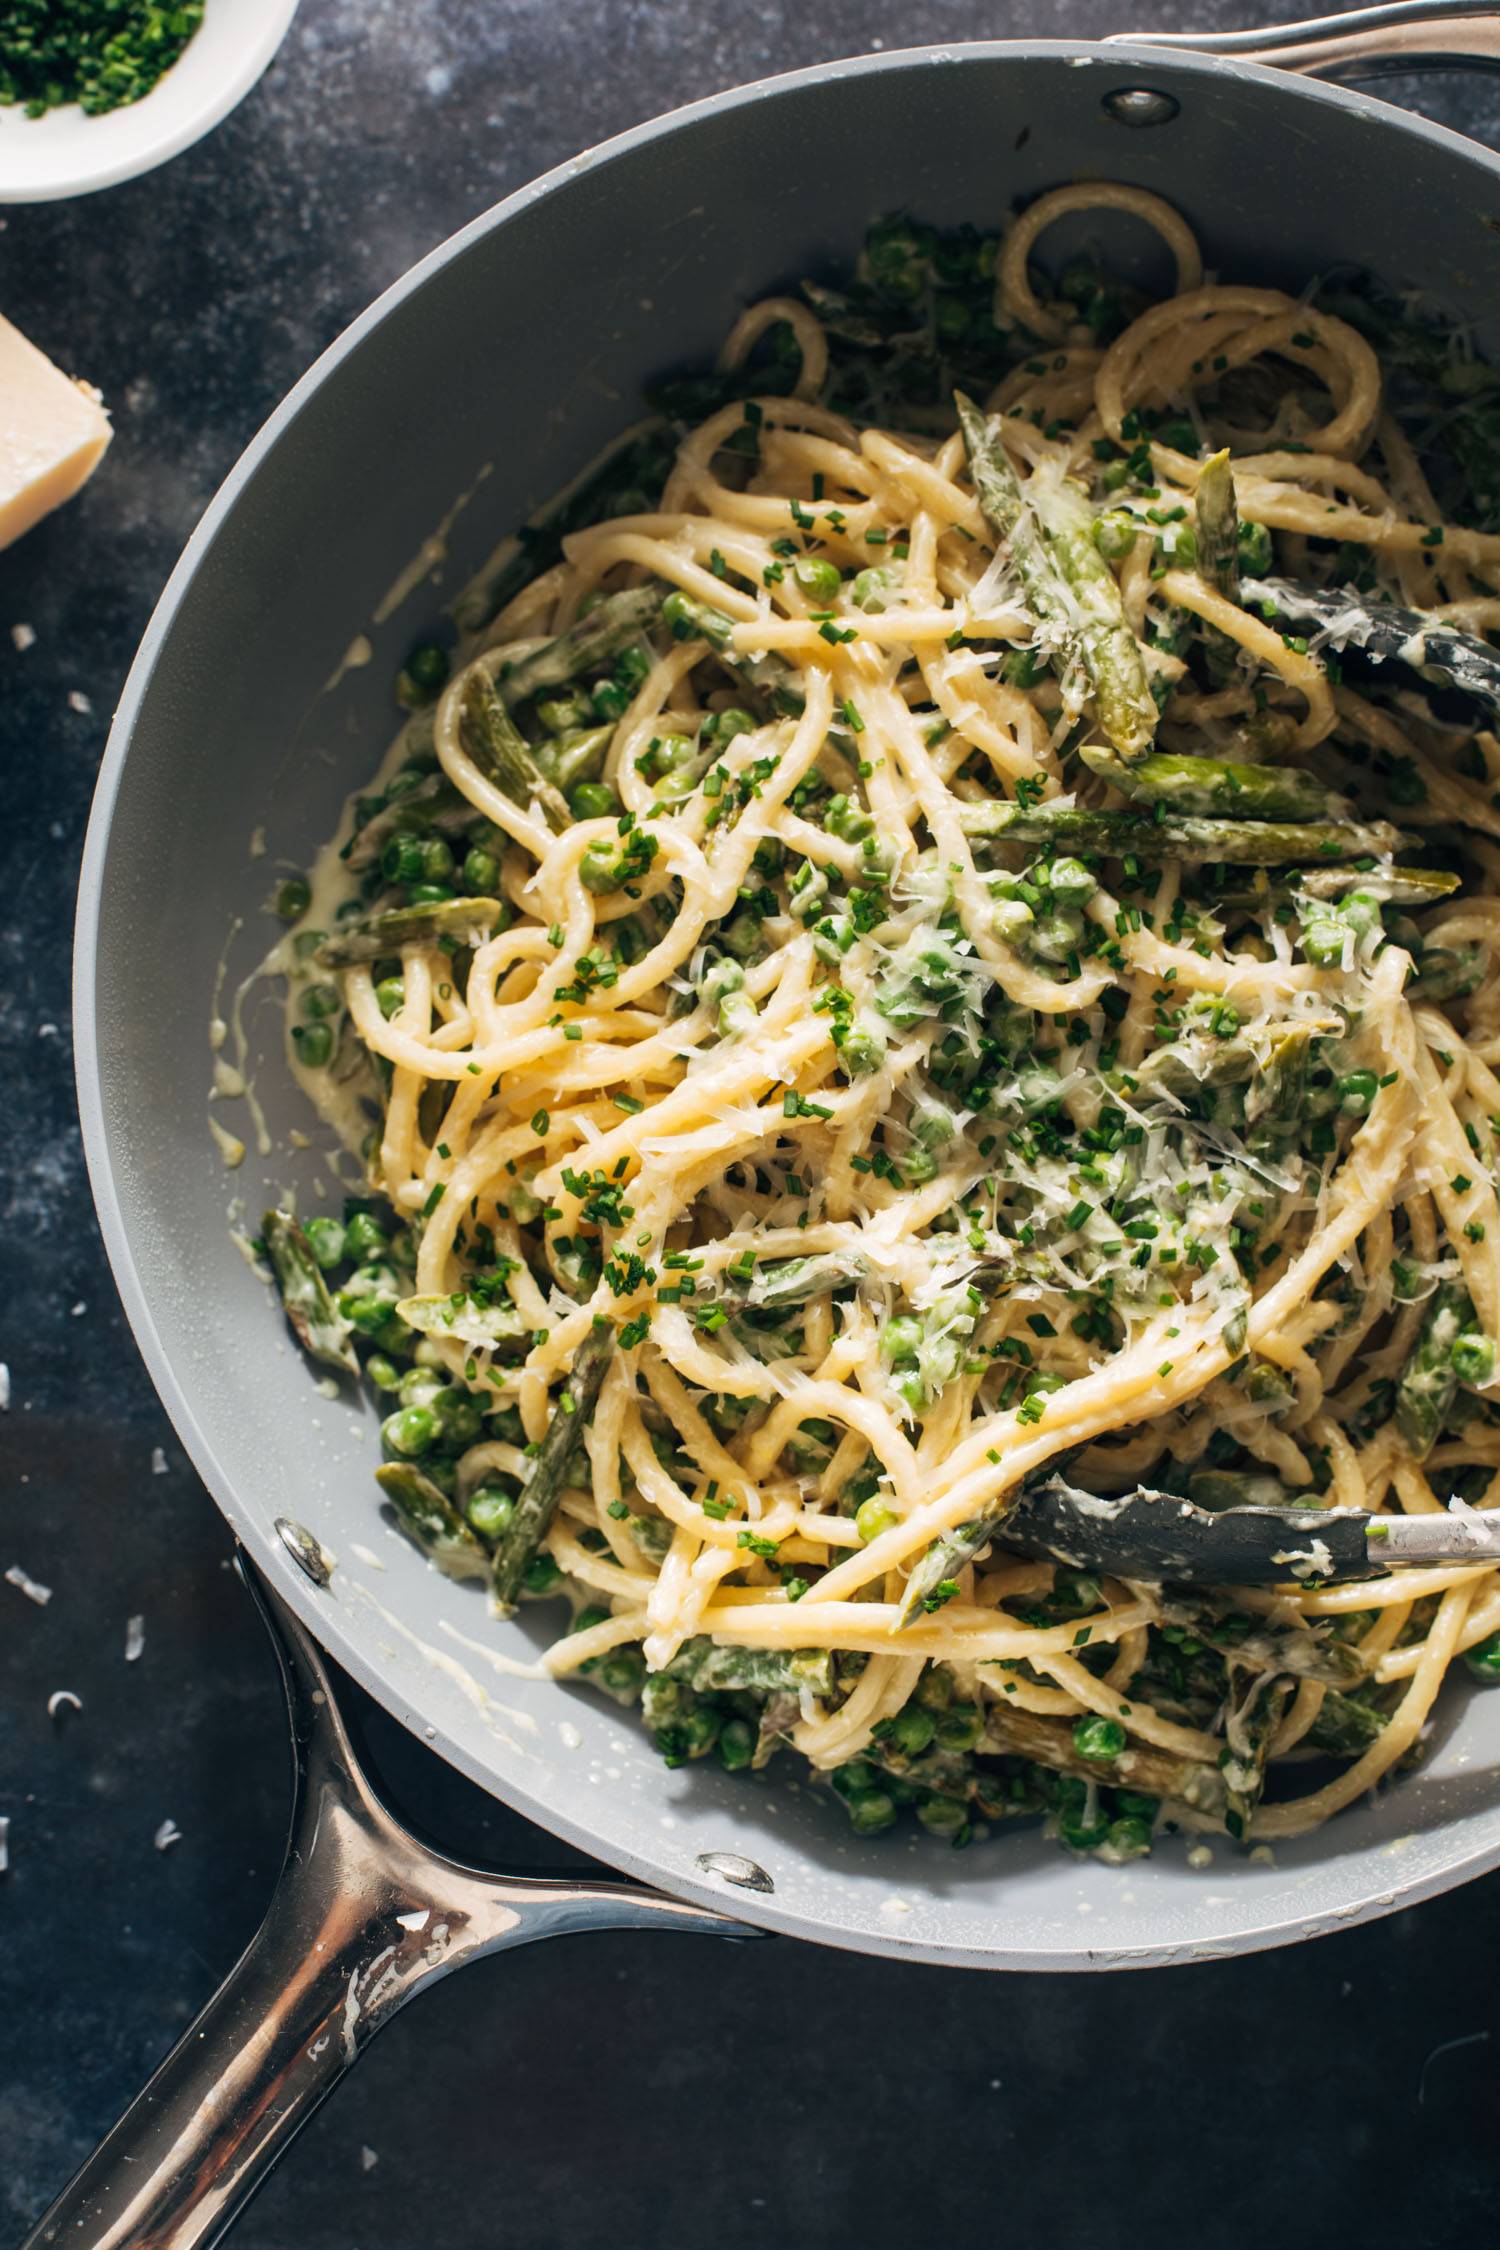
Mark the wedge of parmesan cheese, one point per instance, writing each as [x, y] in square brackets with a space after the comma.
[52, 432]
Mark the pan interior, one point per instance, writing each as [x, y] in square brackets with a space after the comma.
[496, 372]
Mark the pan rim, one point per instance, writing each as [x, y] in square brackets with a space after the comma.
[1370, 1896]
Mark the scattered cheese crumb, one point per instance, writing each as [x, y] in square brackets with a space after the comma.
[1200, 1856]
[4, 1388]
[135, 1638]
[167, 1835]
[4, 1842]
[368, 2160]
[62, 1699]
[22, 637]
[34, 1592]
[417, 1919]
[158, 1462]
[1262, 1856]
[79, 702]
[77, 1311]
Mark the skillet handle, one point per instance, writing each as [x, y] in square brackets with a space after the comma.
[363, 1917]
[1401, 35]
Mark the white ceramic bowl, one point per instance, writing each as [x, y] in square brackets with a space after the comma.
[66, 153]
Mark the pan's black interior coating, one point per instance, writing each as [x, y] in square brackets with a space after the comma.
[194, 298]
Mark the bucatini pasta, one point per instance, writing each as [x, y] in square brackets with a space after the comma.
[935, 931]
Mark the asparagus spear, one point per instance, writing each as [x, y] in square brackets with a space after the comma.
[543, 1488]
[1386, 633]
[1214, 788]
[1428, 1383]
[316, 1322]
[1049, 1742]
[1068, 584]
[768, 674]
[794, 1281]
[429, 1518]
[1393, 886]
[468, 920]
[1218, 520]
[1178, 836]
[1344, 1725]
[504, 756]
[707, 1667]
[584, 647]
[432, 803]
[1258, 893]
[1250, 1722]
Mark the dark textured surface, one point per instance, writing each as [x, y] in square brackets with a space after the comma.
[637, 2092]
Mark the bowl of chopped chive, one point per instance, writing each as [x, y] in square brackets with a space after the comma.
[93, 92]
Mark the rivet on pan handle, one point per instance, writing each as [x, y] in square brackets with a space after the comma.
[1355, 43]
[363, 1917]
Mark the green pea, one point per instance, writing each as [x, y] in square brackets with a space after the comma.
[390, 995]
[428, 894]
[870, 589]
[461, 1417]
[383, 1372]
[364, 1236]
[610, 700]
[701, 1730]
[872, 1517]
[401, 859]
[1185, 547]
[1096, 1737]
[934, 1689]
[736, 1745]
[421, 1386]
[293, 898]
[856, 1779]
[1357, 1092]
[590, 1616]
[1473, 1357]
[427, 668]
[437, 860]
[489, 1510]
[868, 1815]
[901, 1337]
[542, 1575]
[959, 1727]
[918, 1166]
[861, 1051]
[593, 800]
[1081, 1834]
[945, 1816]
[621, 1673]
[314, 1044]
[1129, 1838]
[727, 724]
[325, 1239]
[561, 713]
[410, 1431]
[816, 577]
[1069, 879]
[1483, 1660]
[912, 1729]
[1115, 534]
[320, 1000]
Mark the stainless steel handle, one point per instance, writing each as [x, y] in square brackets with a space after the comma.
[363, 1917]
[1402, 35]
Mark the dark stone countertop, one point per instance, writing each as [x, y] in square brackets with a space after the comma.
[616, 2091]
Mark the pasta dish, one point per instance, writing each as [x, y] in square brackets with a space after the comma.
[917, 1002]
